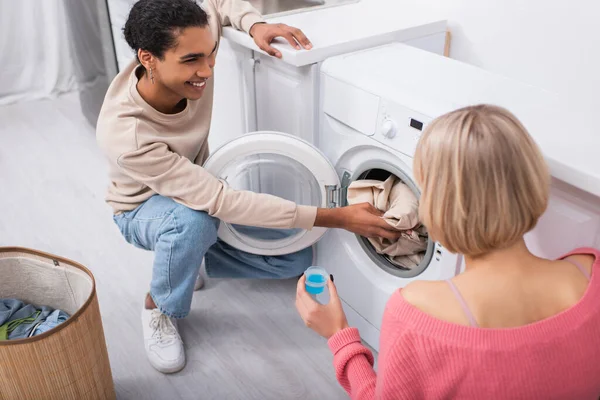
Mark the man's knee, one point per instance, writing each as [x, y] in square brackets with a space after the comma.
[196, 226]
[298, 263]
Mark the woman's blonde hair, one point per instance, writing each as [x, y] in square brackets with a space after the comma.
[483, 179]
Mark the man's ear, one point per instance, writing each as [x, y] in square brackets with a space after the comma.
[146, 59]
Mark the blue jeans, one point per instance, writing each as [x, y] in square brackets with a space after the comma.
[180, 237]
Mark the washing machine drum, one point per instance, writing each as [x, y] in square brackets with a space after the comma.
[375, 163]
[382, 172]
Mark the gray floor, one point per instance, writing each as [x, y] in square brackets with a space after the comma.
[244, 339]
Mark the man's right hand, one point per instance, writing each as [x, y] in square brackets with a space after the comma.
[362, 219]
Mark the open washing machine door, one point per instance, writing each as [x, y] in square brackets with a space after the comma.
[281, 165]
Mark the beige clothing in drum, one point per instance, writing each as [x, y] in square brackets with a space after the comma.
[400, 207]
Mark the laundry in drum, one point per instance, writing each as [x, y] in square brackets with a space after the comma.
[400, 207]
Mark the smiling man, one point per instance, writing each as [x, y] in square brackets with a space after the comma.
[153, 128]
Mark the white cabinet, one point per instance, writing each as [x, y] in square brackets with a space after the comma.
[286, 97]
[234, 100]
[255, 92]
[572, 220]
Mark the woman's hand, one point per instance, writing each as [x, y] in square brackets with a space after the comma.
[325, 319]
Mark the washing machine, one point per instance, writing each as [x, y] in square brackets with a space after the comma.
[375, 106]
[367, 136]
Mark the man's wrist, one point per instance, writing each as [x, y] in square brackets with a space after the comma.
[328, 218]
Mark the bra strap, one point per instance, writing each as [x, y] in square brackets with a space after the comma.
[463, 303]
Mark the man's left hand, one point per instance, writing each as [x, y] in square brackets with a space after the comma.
[264, 34]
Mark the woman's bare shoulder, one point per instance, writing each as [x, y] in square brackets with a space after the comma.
[436, 299]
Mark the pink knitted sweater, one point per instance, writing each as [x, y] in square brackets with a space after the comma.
[422, 357]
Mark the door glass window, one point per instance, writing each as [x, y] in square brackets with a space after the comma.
[277, 175]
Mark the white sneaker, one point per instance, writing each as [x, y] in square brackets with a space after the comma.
[164, 346]
[200, 279]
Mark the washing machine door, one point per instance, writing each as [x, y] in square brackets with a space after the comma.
[281, 165]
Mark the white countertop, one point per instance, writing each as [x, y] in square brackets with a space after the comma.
[343, 29]
[571, 150]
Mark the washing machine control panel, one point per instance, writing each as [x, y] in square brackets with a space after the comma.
[399, 127]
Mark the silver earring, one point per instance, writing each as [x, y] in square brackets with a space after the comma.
[151, 76]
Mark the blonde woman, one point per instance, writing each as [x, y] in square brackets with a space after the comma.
[513, 325]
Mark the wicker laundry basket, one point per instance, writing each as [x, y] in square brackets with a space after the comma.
[69, 361]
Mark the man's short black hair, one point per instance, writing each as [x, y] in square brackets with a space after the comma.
[153, 25]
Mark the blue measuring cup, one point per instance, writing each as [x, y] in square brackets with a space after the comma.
[316, 280]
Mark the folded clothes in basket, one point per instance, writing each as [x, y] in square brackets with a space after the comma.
[19, 320]
[400, 207]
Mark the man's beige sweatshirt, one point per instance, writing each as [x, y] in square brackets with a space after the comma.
[153, 153]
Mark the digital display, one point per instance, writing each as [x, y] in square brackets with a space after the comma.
[416, 124]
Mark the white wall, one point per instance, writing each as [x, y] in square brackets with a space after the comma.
[553, 44]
